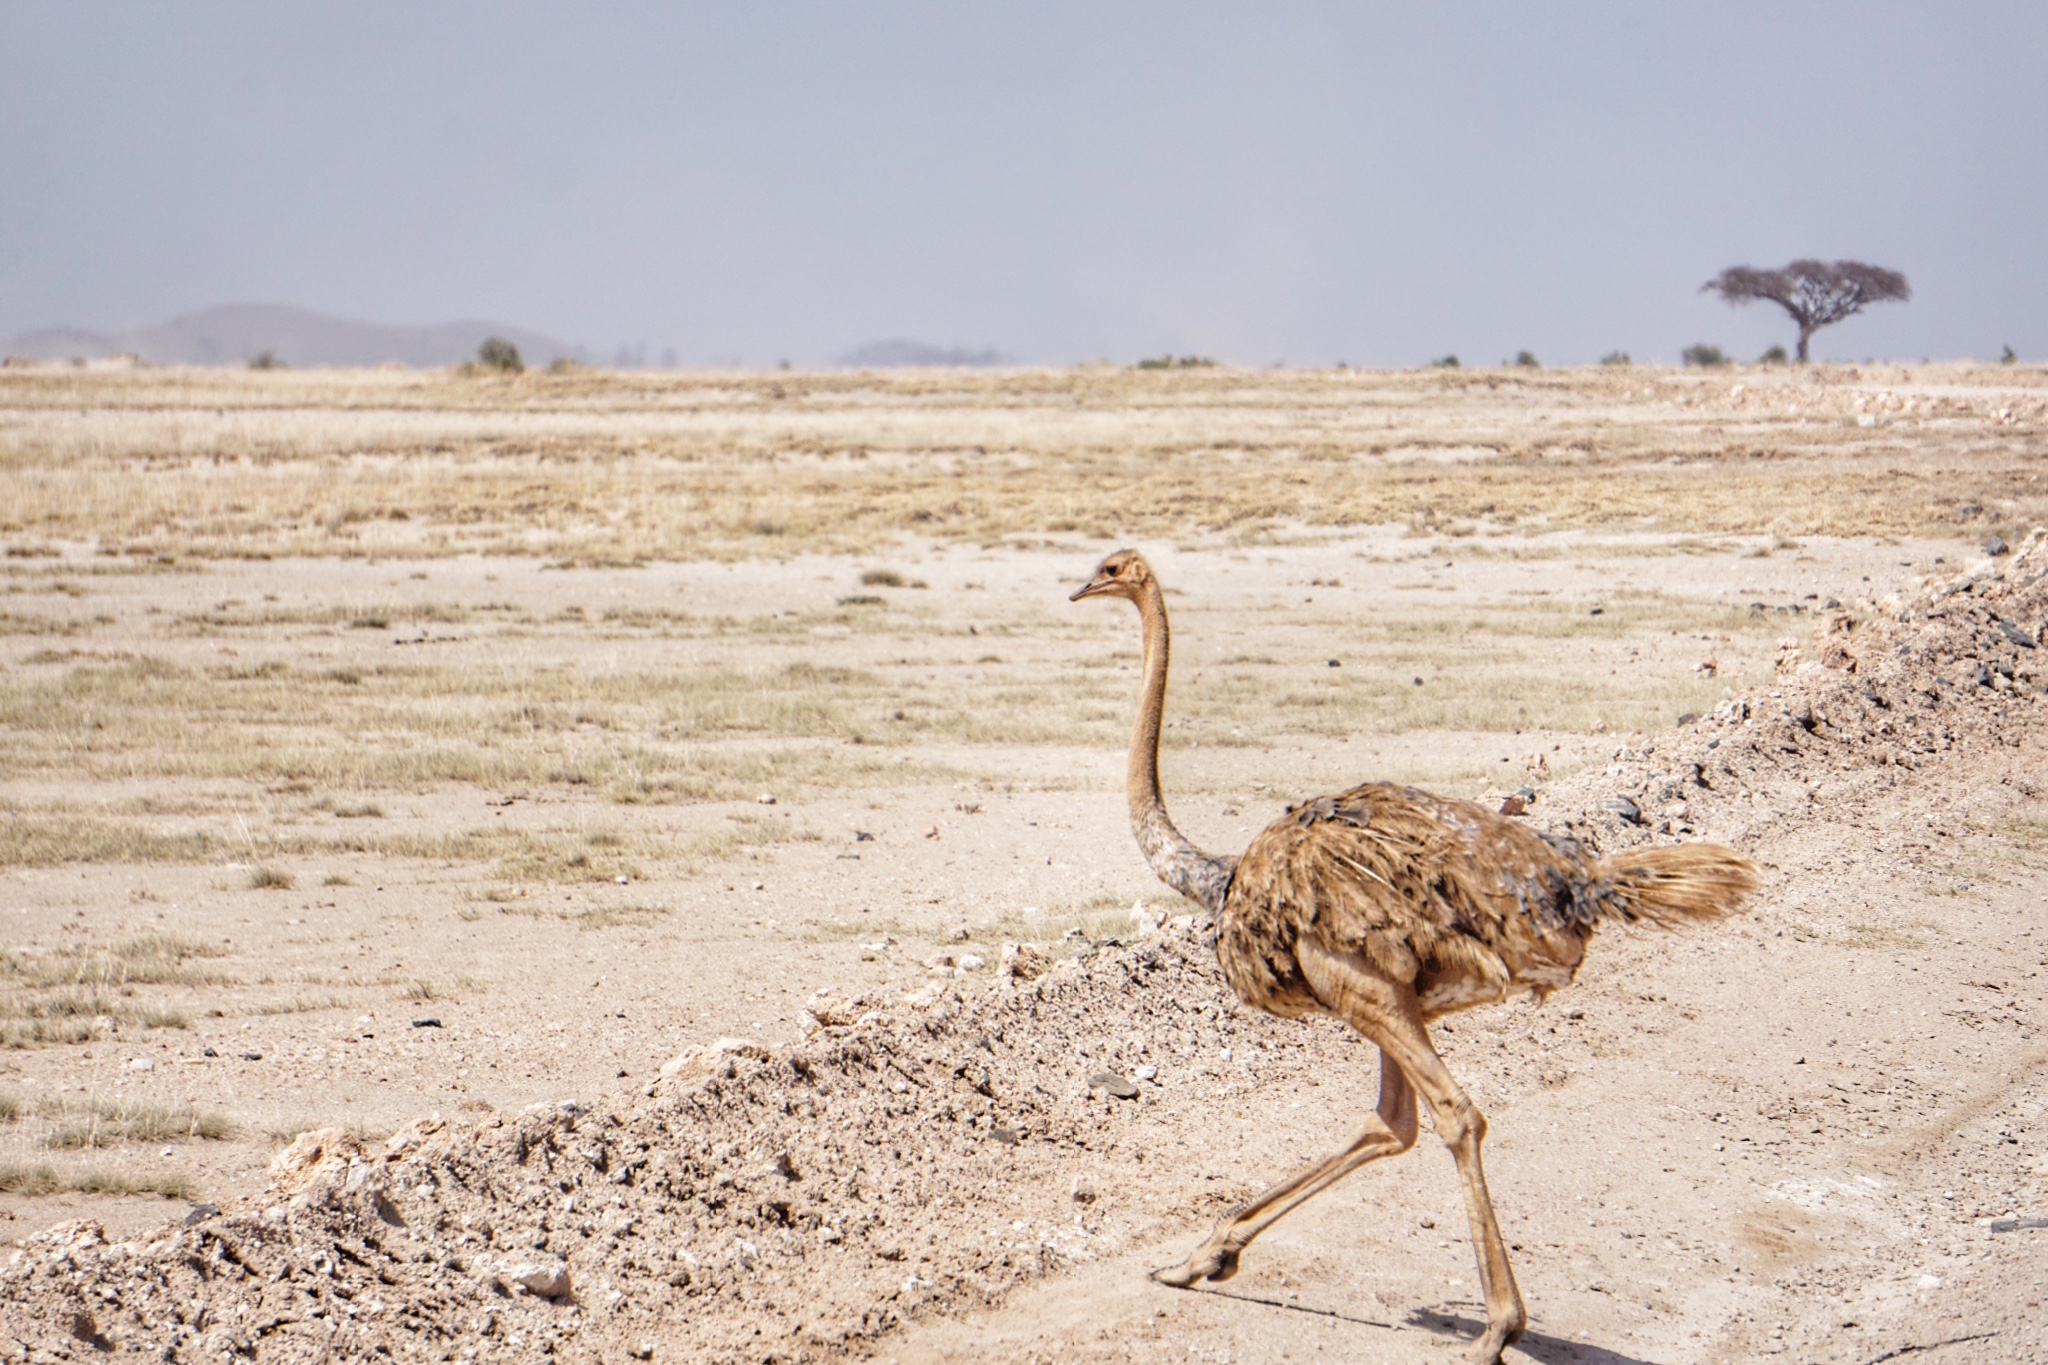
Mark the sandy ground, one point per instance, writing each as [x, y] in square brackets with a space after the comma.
[1769, 1137]
[1788, 1136]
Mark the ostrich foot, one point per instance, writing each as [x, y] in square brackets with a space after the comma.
[1211, 1262]
[1501, 1333]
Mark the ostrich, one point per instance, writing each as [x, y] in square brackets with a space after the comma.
[1388, 907]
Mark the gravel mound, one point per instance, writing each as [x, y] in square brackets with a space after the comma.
[1867, 695]
[934, 1151]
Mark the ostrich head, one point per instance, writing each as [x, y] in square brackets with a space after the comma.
[1124, 574]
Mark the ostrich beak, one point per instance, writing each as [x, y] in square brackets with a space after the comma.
[1089, 589]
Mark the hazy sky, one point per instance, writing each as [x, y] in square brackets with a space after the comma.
[1259, 182]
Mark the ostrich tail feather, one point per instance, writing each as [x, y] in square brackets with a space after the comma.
[1675, 885]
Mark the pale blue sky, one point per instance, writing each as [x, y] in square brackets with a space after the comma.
[1302, 183]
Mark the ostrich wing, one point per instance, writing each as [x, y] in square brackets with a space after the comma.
[1430, 890]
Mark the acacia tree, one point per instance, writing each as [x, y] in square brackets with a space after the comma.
[1816, 293]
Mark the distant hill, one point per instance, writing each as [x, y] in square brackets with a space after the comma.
[238, 333]
[884, 354]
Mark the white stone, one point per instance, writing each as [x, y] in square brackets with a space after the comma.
[549, 1279]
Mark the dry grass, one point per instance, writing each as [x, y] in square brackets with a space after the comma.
[617, 468]
[70, 995]
[287, 738]
[673, 736]
[33, 1181]
[105, 1124]
[146, 960]
[641, 737]
[617, 916]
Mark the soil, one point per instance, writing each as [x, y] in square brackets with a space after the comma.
[1813, 1132]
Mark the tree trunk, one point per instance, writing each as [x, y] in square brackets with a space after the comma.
[1804, 333]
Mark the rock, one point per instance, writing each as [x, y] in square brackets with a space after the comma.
[199, 1214]
[1021, 962]
[1147, 919]
[1513, 805]
[1147, 1073]
[1625, 808]
[142, 1064]
[766, 799]
[320, 1155]
[972, 962]
[208, 1052]
[1114, 1084]
[412, 1137]
[832, 1009]
[1084, 1190]
[2017, 636]
[548, 1279]
[429, 1022]
[1995, 547]
[713, 1059]
[643, 1350]
[1007, 1136]
[925, 998]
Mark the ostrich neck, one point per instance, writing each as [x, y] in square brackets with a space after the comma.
[1177, 862]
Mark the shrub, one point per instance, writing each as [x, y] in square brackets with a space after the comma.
[1775, 356]
[1528, 360]
[499, 354]
[1703, 355]
[2011, 357]
[270, 879]
[1616, 358]
[1177, 362]
[1449, 362]
[267, 360]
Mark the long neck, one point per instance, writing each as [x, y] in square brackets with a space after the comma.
[1177, 862]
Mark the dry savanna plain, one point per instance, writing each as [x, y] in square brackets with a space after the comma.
[384, 744]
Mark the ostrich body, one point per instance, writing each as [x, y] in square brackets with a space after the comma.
[1388, 907]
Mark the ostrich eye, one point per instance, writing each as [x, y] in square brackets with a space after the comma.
[1112, 569]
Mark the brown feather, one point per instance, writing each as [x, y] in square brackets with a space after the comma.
[1466, 904]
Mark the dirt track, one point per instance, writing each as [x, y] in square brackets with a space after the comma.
[1784, 1136]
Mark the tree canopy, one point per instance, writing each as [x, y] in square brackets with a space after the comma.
[1816, 294]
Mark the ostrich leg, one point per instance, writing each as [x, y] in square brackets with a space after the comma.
[1389, 1132]
[1386, 1012]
